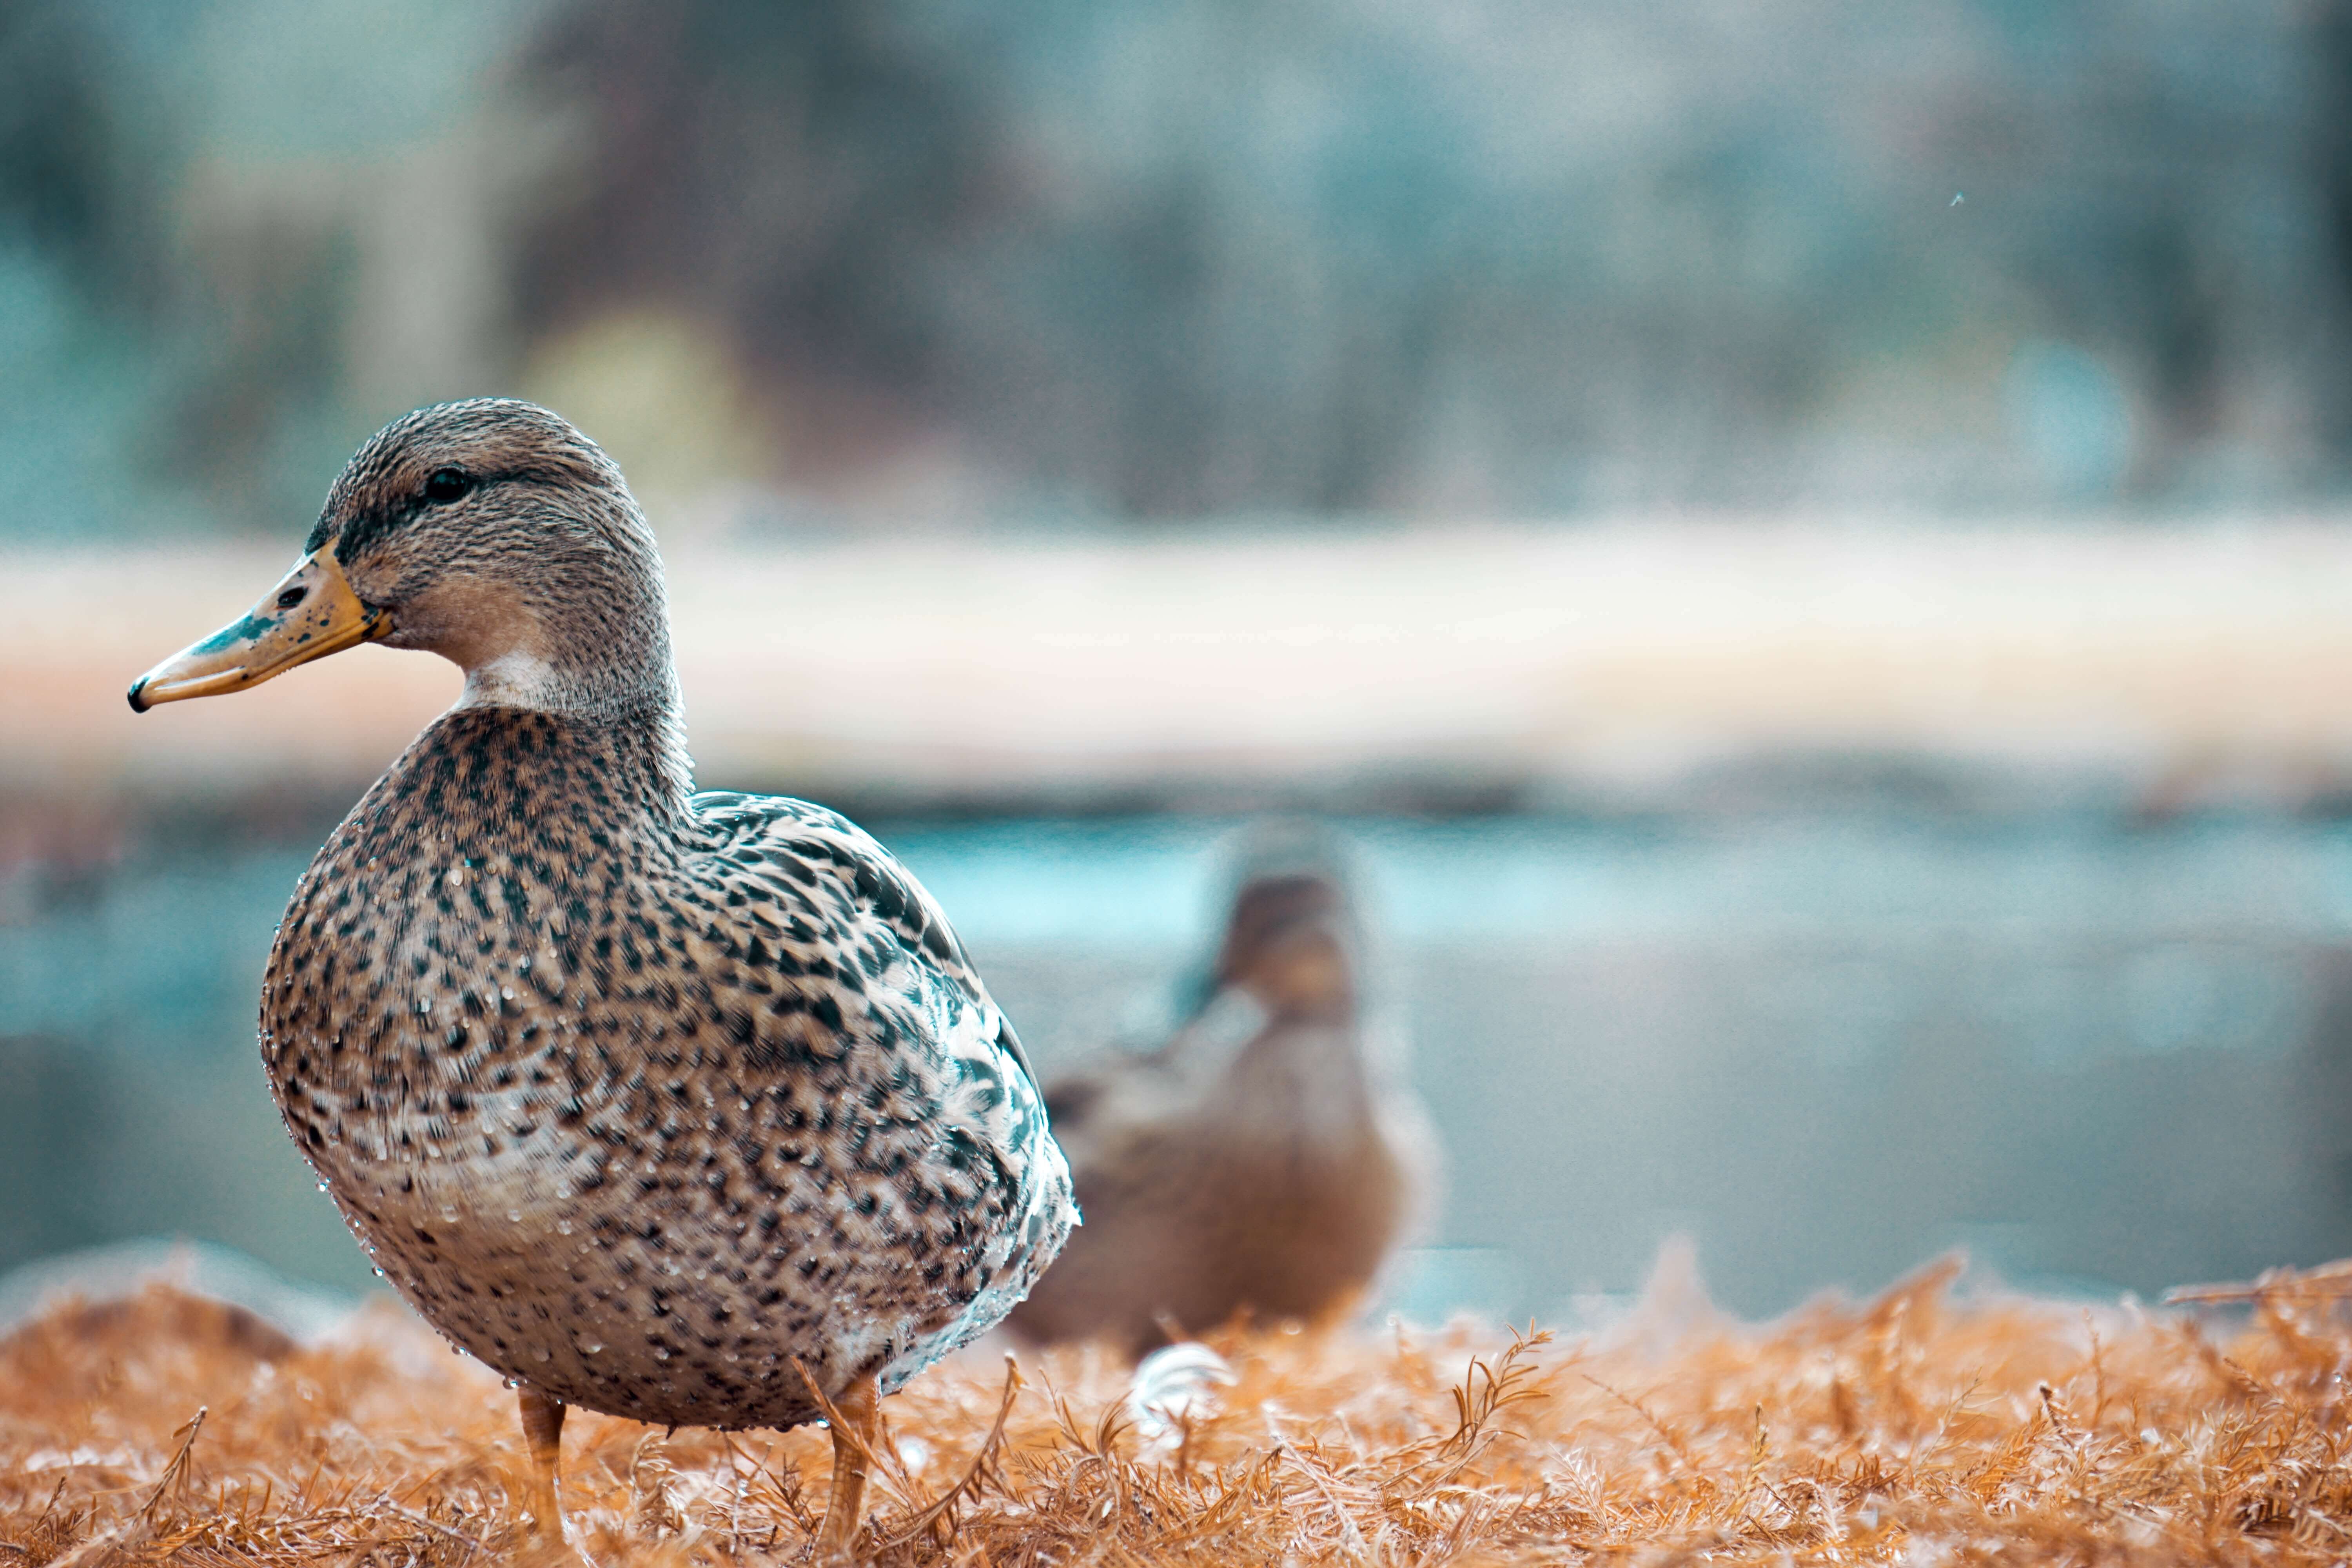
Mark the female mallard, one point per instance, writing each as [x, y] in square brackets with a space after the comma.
[685, 1108]
[1256, 1161]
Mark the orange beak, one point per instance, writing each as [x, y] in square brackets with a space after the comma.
[312, 613]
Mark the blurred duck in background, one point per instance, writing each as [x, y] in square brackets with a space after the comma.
[1258, 1162]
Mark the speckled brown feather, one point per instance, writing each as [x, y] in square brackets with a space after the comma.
[1254, 1163]
[636, 1096]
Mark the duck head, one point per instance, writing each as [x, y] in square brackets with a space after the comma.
[1287, 943]
[488, 532]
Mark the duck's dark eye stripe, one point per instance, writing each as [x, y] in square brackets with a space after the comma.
[362, 528]
[447, 484]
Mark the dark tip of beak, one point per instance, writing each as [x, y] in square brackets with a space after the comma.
[139, 703]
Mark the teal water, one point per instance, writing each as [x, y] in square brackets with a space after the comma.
[1825, 1047]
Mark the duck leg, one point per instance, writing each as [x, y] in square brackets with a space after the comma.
[542, 1434]
[856, 1428]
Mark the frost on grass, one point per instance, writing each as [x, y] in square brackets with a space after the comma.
[1918, 1427]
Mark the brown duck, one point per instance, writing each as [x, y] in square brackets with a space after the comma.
[685, 1108]
[1256, 1163]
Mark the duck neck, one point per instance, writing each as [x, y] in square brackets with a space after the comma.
[514, 768]
[593, 652]
[630, 676]
[641, 730]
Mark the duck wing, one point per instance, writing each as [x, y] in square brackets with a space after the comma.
[777, 851]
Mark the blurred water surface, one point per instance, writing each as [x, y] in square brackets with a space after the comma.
[1825, 1045]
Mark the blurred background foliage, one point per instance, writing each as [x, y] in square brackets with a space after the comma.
[1153, 259]
[1074, 426]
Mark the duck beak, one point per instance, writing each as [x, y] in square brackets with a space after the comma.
[312, 613]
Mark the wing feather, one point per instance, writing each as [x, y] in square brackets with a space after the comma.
[796, 836]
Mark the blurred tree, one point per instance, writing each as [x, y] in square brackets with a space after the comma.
[2329, 58]
[1181, 256]
[1166, 257]
[82, 265]
[795, 174]
[77, 181]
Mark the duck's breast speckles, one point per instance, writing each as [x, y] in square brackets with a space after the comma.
[639, 1099]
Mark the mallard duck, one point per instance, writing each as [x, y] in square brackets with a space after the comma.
[1257, 1161]
[685, 1108]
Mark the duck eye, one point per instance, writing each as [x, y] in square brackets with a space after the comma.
[447, 484]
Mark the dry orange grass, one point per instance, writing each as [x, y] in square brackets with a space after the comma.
[1918, 1427]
